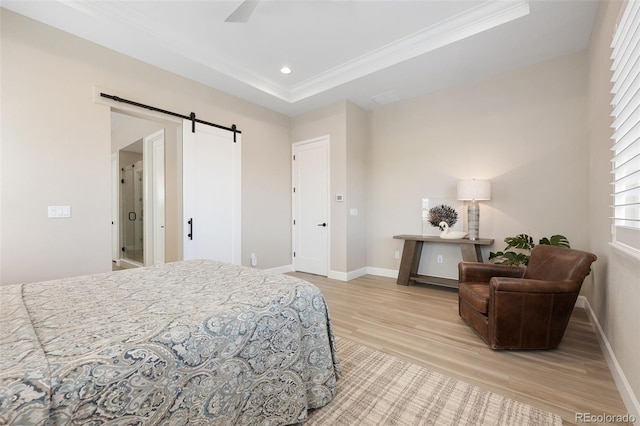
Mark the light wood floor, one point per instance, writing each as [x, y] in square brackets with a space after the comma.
[421, 325]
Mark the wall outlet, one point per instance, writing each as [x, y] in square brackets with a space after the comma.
[397, 254]
[254, 260]
[440, 258]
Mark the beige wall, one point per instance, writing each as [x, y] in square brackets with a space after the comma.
[524, 130]
[330, 121]
[347, 127]
[614, 293]
[357, 143]
[56, 143]
[541, 135]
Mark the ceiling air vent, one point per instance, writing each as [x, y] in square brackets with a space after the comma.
[386, 98]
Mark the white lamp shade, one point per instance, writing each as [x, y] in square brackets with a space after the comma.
[474, 190]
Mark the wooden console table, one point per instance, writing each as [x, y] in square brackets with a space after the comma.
[413, 249]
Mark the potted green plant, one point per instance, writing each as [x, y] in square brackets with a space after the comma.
[523, 244]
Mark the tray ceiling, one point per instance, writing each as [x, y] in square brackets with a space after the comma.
[371, 52]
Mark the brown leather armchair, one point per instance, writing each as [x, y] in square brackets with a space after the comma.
[514, 307]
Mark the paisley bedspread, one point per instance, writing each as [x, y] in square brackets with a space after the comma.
[194, 342]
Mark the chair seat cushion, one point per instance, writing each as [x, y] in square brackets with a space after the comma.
[476, 295]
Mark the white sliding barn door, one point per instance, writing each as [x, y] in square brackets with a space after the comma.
[211, 170]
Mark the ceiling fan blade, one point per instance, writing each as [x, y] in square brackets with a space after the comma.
[243, 12]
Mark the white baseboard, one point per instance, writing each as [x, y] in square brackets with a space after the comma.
[279, 269]
[382, 272]
[340, 276]
[344, 276]
[356, 274]
[335, 275]
[628, 397]
[368, 270]
[347, 276]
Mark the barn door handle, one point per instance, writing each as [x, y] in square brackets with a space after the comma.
[322, 224]
[190, 234]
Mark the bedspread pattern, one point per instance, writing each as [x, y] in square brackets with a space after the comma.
[197, 342]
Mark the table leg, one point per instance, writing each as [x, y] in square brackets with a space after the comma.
[471, 252]
[410, 261]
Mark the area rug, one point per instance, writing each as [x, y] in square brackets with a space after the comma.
[379, 389]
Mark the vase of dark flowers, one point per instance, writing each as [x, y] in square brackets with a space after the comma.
[442, 213]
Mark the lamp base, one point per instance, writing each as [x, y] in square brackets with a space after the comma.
[473, 218]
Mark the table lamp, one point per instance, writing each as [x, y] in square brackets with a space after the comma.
[474, 190]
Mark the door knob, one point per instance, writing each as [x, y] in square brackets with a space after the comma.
[322, 224]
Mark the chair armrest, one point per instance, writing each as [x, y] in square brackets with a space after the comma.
[522, 285]
[529, 314]
[483, 272]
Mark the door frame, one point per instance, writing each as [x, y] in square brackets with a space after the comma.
[115, 208]
[294, 196]
[147, 166]
[154, 201]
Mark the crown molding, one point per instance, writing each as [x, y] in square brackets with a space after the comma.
[135, 21]
[474, 21]
[485, 16]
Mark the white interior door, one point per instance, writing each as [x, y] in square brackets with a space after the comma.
[115, 208]
[153, 149]
[211, 193]
[311, 206]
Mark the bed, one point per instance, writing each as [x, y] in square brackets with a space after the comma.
[194, 342]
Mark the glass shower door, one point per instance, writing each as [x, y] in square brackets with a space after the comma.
[132, 220]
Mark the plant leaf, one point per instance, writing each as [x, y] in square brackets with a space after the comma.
[509, 258]
[493, 255]
[521, 241]
[556, 240]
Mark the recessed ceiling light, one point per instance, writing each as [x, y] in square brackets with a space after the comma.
[285, 70]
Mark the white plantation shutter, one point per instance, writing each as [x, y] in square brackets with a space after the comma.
[626, 129]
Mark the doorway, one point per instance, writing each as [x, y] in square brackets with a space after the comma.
[310, 167]
[138, 192]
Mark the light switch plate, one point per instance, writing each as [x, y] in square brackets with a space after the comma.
[59, 211]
